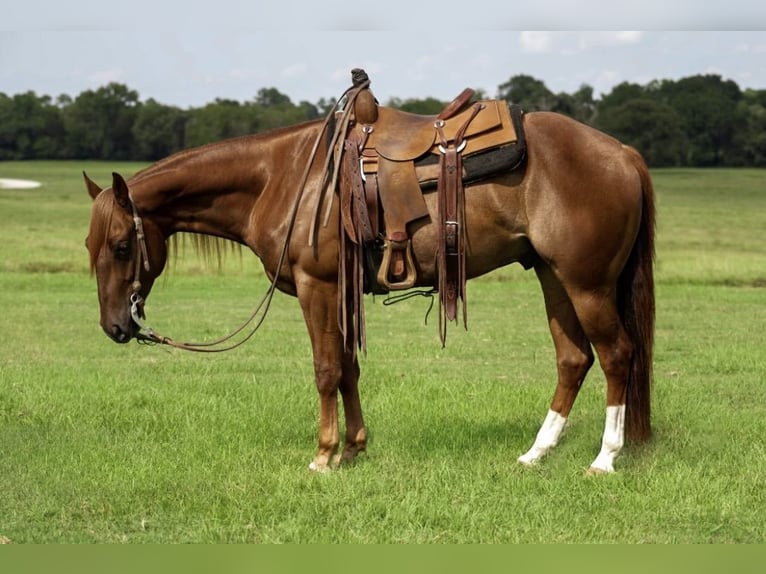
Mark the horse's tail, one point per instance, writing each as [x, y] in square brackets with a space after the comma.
[636, 307]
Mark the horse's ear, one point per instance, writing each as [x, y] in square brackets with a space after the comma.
[93, 188]
[120, 190]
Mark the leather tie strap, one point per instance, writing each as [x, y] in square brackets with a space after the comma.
[451, 255]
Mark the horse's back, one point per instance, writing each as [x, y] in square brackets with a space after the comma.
[573, 148]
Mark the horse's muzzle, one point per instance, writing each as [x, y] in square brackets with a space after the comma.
[118, 334]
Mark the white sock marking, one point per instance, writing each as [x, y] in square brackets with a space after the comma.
[547, 438]
[614, 438]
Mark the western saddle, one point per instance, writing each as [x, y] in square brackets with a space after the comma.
[386, 160]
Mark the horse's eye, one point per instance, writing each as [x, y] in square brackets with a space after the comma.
[122, 251]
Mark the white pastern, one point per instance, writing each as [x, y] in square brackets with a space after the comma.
[614, 438]
[547, 438]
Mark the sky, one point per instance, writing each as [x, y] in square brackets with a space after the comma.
[187, 55]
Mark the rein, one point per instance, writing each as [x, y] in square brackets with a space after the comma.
[147, 335]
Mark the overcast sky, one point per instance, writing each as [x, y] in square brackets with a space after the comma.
[188, 53]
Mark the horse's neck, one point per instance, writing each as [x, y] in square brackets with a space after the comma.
[214, 189]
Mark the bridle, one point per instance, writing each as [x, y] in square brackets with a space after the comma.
[135, 301]
[147, 335]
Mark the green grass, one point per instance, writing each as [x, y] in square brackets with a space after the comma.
[107, 443]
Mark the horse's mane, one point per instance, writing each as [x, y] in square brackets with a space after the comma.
[211, 250]
[242, 140]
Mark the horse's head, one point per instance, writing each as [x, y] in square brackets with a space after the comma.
[127, 253]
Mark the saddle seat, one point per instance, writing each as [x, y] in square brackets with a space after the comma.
[403, 136]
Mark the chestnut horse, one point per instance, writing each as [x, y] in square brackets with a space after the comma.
[580, 211]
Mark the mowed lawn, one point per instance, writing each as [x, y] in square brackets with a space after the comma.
[108, 443]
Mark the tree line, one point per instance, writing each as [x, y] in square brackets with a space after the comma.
[700, 120]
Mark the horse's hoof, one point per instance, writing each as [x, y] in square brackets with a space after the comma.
[319, 467]
[528, 460]
[322, 464]
[598, 471]
[349, 456]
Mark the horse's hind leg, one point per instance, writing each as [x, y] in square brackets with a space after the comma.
[600, 319]
[574, 358]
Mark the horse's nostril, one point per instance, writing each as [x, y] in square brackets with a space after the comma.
[119, 335]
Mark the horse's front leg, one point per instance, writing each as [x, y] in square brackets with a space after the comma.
[334, 370]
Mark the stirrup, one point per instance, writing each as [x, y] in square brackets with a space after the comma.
[389, 246]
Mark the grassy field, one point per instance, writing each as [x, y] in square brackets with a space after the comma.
[107, 443]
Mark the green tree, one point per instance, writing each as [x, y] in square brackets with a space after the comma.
[220, 120]
[581, 105]
[272, 97]
[528, 92]
[653, 128]
[698, 120]
[324, 106]
[30, 127]
[426, 106]
[710, 117]
[7, 131]
[752, 139]
[273, 109]
[158, 131]
[621, 93]
[99, 123]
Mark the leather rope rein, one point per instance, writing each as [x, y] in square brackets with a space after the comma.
[148, 335]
